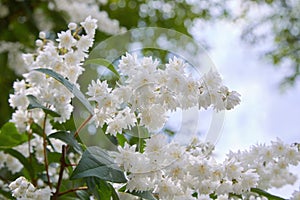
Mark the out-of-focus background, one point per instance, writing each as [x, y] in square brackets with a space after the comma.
[255, 45]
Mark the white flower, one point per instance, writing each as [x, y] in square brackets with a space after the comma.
[233, 99]
[42, 35]
[65, 111]
[84, 43]
[153, 117]
[126, 156]
[176, 64]
[212, 80]
[22, 189]
[19, 86]
[168, 189]
[100, 117]
[128, 117]
[72, 26]
[65, 39]
[279, 147]
[97, 90]
[128, 64]
[35, 78]
[139, 182]
[123, 93]
[223, 197]
[18, 100]
[115, 126]
[89, 25]
[71, 58]
[141, 80]
[176, 82]
[20, 119]
[156, 143]
[168, 99]
[149, 66]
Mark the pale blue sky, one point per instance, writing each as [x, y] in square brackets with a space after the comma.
[265, 113]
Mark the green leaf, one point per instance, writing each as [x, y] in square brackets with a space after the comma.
[54, 157]
[96, 162]
[82, 195]
[6, 194]
[34, 103]
[70, 86]
[10, 137]
[103, 62]
[121, 139]
[101, 189]
[266, 194]
[68, 138]
[145, 195]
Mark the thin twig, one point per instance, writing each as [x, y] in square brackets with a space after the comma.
[73, 190]
[82, 125]
[61, 171]
[29, 134]
[63, 164]
[45, 151]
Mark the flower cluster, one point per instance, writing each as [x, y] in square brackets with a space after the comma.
[177, 172]
[147, 92]
[77, 11]
[24, 190]
[15, 60]
[270, 162]
[66, 58]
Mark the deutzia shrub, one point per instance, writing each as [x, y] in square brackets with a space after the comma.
[43, 157]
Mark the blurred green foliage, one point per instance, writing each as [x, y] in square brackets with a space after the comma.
[277, 21]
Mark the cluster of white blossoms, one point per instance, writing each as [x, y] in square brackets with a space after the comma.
[77, 11]
[24, 190]
[173, 171]
[15, 60]
[146, 92]
[66, 58]
[270, 162]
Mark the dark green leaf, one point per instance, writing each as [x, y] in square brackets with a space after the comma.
[64, 197]
[121, 139]
[82, 195]
[10, 137]
[103, 62]
[37, 129]
[70, 86]
[145, 195]
[106, 190]
[96, 162]
[114, 194]
[6, 194]
[266, 194]
[101, 189]
[68, 138]
[112, 139]
[34, 103]
[122, 189]
[54, 157]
